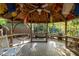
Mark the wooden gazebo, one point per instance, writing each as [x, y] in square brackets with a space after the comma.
[39, 13]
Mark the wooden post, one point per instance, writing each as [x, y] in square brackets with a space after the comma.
[66, 32]
[11, 38]
[47, 27]
[47, 32]
[31, 32]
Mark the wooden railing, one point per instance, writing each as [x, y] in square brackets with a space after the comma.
[73, 44]
[14, 35]
[10, 38]
[68, 41]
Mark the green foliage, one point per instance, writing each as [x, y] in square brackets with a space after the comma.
[73, 27]
[3, 21]
[54, 27]
[40, 27]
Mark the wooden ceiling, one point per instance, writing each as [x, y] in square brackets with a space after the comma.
[36, 12]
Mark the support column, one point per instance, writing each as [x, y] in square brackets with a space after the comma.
[66, 32]
[31, 31]
[11, 38]
[47, 32]
[65, 29]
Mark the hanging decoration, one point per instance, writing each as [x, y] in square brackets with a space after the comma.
[70, 16]
[26, 20]
[14, 14]
[76, 9]
[2, 8]
[40, 14]
[67, 7]
[12, 9]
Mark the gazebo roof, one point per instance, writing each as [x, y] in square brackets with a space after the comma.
[39, 12]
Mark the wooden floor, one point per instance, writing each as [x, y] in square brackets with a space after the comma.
[24, 47]
[51, 48]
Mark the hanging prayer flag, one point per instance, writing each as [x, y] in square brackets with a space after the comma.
[76, 10]
[67, 7]
[70, 16]
[13, 14]
[2, 8]
[12, 9]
